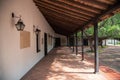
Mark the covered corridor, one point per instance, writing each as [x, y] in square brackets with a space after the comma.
[31, 29]
[62, 64]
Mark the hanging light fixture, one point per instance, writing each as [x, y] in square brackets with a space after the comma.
[19, 25]
[36, 30]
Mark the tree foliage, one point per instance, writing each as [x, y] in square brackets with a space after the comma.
[109, 28]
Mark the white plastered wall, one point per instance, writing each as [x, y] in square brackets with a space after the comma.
[15, 62]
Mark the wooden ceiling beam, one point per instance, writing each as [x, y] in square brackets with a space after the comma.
[52, 15]
[60, 29]
[62, 24]
[44, 9]
[93, 3]
[110, 2]
[69, 9]
[61, 11]
[63, 20]
[66, 4]
[79, 5]
[63, 6]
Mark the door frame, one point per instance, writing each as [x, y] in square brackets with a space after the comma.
[45, 44]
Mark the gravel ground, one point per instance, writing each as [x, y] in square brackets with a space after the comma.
[109, 56]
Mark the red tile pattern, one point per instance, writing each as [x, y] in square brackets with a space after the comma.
[62, 64]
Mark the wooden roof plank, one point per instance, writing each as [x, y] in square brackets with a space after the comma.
[66, 7]
[69, 26]
[61, 16]
[63, 11]
[63, 20]
[93, 3]
[65, 15]
[66, 27]
[79, 6]
[111, 2]
[63, 32]
[81, 12]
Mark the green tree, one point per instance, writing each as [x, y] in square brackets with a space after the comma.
[109, 28]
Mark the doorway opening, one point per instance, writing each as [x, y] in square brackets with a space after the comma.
[45, 44]
[57, 42]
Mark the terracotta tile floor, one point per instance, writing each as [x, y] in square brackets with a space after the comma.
[62, 64]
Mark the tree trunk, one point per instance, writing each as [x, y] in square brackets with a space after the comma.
[105, 42]
[101, 44]
[91, 45]
[114, 41]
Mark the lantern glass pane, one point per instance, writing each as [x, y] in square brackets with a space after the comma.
[20, 25]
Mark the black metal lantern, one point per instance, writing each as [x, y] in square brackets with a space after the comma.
[37, 31]
[20, 25]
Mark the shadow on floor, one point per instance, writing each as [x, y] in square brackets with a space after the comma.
[62, 64]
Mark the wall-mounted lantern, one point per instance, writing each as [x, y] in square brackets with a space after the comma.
[19, 25]
[37, 32]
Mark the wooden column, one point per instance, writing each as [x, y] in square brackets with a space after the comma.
[76, 44]
[73, 43]
[96, 57]
[82, 45]
[67, 41]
